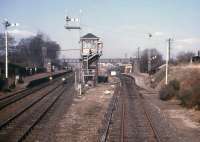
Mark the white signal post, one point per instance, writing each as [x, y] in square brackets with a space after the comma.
[7, 24]
[6, 46]
[167, 62]
[167, 59]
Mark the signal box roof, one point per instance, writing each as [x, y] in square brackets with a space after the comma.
[89, 36]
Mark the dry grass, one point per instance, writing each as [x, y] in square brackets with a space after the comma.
[189, 78]
[186, 74]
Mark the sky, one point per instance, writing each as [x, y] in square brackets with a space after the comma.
[123, 25]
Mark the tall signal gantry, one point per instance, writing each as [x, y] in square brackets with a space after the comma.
[69, 20]
[90, 52]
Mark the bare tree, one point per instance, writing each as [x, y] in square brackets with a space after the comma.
[24, 54]
[52, 49]
[32, 50]
[155, 59]
[11, 41]
[184, 57]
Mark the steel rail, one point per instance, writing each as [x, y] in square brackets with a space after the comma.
[113, 106]
[9, 120]
[8, 100]
[16, 97]
[122, 123]
[156, 135]
[23, 137]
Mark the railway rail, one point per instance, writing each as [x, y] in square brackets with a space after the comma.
[40, 116]
[21, 123]
[12, 98]
[5, 101]
[28, 106]
[130, 121]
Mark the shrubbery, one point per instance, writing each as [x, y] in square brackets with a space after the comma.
[169, 91]
[175, 84]
[191, 97]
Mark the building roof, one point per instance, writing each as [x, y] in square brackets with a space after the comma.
[89, 36]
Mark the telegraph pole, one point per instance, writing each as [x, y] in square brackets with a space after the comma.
[138, 59]
[138, 53]
[169, 46]
[149, 55]
[149, 60]
[168, 59]
[166, 72]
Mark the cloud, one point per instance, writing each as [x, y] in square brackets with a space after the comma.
[128, 28]
[21, 33]
[186, 44]
[158, 34]
[189, 41]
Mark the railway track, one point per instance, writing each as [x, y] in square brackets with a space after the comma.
[18, 126]
[130, 121]
[28, 105]
[12, 98]
[7, 100]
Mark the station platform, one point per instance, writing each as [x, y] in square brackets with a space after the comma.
[28, 79]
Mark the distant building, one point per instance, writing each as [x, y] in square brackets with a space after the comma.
[126, 68]
[196, 59]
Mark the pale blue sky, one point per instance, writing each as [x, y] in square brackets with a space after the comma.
[122, 24]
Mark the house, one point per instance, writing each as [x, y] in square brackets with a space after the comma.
[196, 59]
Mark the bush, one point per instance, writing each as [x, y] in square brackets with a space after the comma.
[191, 97]
[169, 91]
[175, 84]
[185, 96]
[166, 93]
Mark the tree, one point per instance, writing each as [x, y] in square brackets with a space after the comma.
[184, 57]
[52, 49]
[35, 50]
[11, 41]
[24, 54]
[156, 59]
